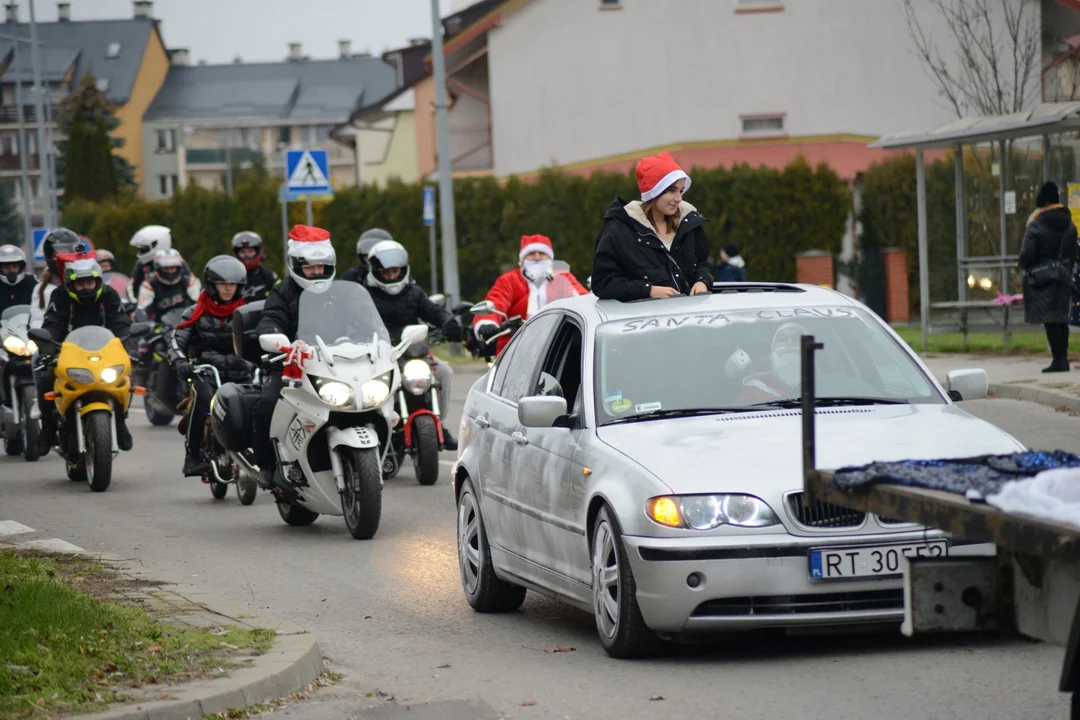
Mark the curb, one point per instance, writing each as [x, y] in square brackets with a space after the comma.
[1035, 395]
[290, 665]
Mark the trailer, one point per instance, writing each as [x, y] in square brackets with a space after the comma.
[1031, 586]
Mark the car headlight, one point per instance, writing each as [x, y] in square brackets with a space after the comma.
[112, 374]
[705, 512]
[416, 376]
[16, 346]
[374, 391]
[336, 393]
[80, 375]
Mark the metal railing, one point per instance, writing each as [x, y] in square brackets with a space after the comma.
[9, 114]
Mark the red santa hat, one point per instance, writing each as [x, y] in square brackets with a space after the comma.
[535, 243]
[657, 173]
[306, 237]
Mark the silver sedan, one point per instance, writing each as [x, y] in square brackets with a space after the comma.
[642, 461]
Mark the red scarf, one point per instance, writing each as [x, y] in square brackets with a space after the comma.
[206, 305]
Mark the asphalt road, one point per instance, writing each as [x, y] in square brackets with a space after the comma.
[390, 613]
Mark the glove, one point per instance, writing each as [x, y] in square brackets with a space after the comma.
[452, 330]
[484, 332]
[184, 370]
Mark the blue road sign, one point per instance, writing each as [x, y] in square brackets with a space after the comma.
[429, 205]
[308, 173]
[39, 236]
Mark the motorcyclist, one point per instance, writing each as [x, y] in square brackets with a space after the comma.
[310, 263]
[523, 291]
[171, 285]
[247, 246]
[147, 241]
[60, 240]
[106, 260]
[204, 336]
[86, 300]
[358, 273]
[402, 303]
[16, 285]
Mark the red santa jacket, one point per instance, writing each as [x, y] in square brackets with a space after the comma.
[511, 296]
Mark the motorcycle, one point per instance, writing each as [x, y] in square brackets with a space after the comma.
[226, 467]
[332, 422]
[92, 383]
[19, 413]
[155, 373]
[421, 435]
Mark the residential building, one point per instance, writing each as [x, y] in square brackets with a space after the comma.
[128, 58]
[206, 116]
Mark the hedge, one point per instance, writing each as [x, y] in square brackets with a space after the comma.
[770, 214]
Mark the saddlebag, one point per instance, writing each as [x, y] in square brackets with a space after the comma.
[245, 340]
[232, 415]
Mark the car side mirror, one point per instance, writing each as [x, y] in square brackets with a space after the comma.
[270, 342]
[438, 299]
[484, 307]
[541, 411]
[141, 328]
[967, 384]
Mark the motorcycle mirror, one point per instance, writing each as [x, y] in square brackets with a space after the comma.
[461, 308]
[438, 299]
[413, 334]
[41, 336]
[272, 341]
[484, 307]
[141, 328]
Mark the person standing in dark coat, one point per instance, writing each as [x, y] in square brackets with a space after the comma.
[1050, 234]
[732, 266]
[655, 247]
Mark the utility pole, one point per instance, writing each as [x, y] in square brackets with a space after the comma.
[451, 286]
[39, 113]
[24, 159]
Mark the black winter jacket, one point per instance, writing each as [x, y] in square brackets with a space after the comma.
[281, 312]
[1043, 239]
[18, 294]
[209, 341]
[260, 280]
[630, 259]
[64, 314]
[408, 307]
[357, 274]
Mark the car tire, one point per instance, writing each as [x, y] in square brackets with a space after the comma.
[484, 591]
[619, 623]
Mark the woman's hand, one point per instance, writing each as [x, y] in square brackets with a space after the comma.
[658, 291]
[699, 287]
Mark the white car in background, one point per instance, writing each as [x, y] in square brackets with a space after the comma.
[642, 461]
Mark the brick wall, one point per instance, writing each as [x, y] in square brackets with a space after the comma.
[897, 300]
[815, 267]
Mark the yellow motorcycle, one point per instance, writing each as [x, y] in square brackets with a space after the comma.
[92, 383]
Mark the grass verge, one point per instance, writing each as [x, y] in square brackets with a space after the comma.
[1028, 343]
[65, 649]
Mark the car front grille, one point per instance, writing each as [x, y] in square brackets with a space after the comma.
[802, 604]
[822, 515]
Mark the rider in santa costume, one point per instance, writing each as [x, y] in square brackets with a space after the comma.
[527, 289]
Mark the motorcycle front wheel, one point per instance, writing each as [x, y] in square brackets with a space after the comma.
[295, 515]
[361, 502]
[97, 435]
[426, 459]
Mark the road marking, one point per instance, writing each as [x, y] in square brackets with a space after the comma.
[10, 527]
[53, 545]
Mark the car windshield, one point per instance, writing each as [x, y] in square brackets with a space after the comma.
[90, 337]
[344, 313]
[739, 361]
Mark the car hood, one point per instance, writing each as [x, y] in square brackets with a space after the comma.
[720, 453]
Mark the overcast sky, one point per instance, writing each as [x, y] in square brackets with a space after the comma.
[261, 30]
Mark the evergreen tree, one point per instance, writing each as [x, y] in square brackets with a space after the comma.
[89, 160]
[96, 109]
[74, 156]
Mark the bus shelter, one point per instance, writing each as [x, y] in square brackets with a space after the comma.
[1043, 122]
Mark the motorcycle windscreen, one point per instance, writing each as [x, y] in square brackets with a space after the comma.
[117, 281]
[560, 287]
[173, 317]
[344, 313]
[15, 320]
[90, 337]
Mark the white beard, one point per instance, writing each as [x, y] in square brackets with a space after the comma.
[787, 367]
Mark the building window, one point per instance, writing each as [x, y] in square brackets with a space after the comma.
[286, 135]
[166, 140]
[35, 187]
[755, 6]
[763, 125]
[103, 84]
[9, 144]
[318, 134]
[113, 51]
[167, 184]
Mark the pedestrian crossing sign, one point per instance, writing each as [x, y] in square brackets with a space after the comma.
[308, 173]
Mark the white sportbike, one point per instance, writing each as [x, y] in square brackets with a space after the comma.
[331, 428]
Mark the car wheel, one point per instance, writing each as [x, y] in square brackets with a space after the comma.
[484, 591]
[619, 623]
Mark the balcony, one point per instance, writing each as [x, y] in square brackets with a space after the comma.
[11, 162]
[9, 114]
[217, 156]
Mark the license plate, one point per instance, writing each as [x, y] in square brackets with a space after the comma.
[869, 561]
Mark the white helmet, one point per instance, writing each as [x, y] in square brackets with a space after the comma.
[12, 255]
[150, 239]
[310, 246]
[382, 256]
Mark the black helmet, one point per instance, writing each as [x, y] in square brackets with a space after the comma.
[248, 239]
[61, 240]
[223, 269]
[367, 241]
[84, 268]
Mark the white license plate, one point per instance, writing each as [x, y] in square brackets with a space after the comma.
[844, 563]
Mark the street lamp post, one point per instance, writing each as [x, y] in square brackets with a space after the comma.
[44, 151]
[451, 286]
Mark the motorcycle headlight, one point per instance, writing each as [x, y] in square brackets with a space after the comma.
[416, 376]
[112, 374]
[374, 391]
[16, 346]
[706, 512]
[335, 393]
[80, 375]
